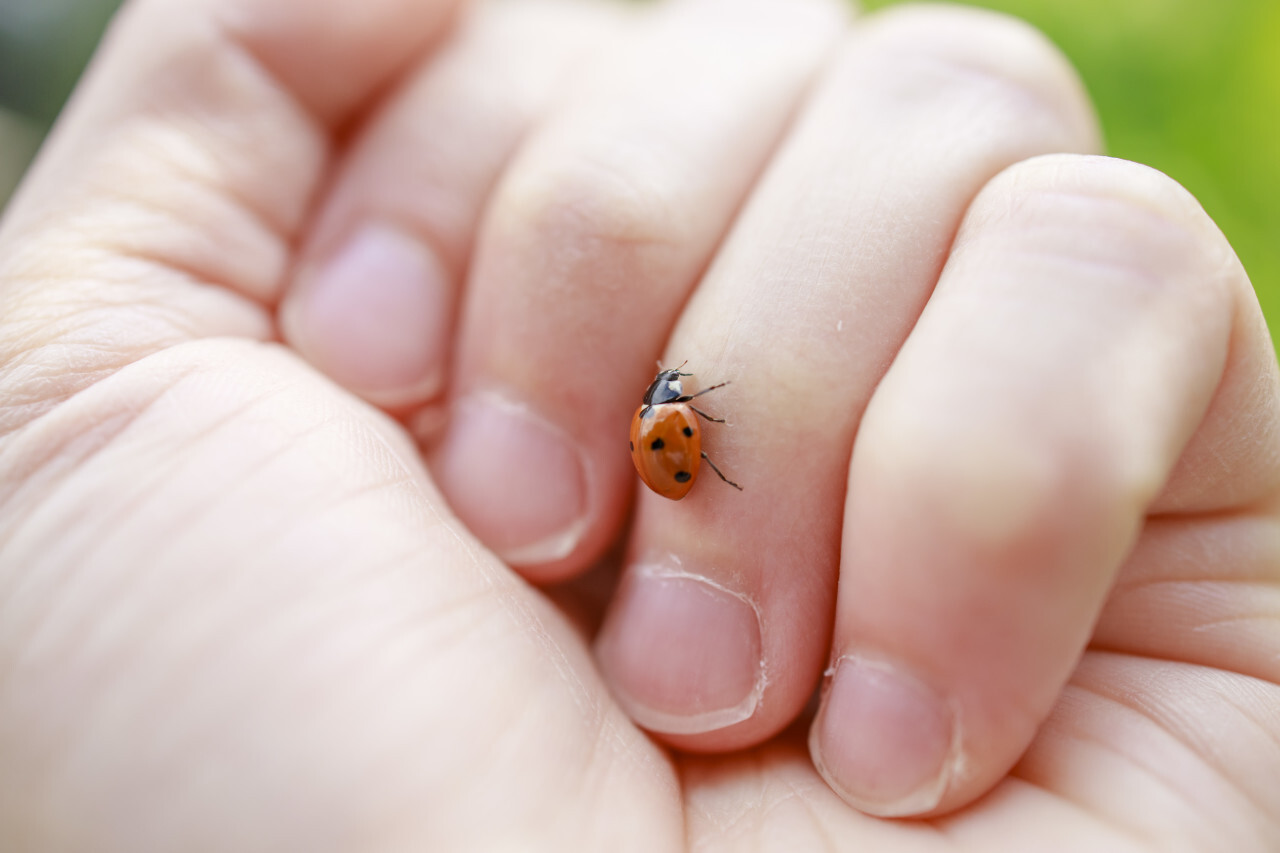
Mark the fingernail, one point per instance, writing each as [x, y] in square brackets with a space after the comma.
[375, 315]
[682, 654]
[884, 740]
[517, 481]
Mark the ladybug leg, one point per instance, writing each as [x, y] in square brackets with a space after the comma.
[708, 417]
[705, 390]
[719, 473]
[687, 397]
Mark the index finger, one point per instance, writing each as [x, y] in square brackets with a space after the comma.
[187, 159]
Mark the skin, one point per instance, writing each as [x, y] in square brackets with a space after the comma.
[321, 325]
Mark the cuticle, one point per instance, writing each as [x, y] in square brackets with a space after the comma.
[660, 568]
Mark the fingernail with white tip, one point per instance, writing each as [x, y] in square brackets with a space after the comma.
[884, 740]
[515, 479]
[682, 654]
[375, 315]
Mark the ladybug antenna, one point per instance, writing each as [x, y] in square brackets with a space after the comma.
[662, 369]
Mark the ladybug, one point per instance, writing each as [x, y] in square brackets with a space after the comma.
[666, 442]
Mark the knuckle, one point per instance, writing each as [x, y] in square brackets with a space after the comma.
[993, 66]
[589, 209]
[1140, 190]
[1111, 215]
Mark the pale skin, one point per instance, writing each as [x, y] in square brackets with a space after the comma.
[321, 323]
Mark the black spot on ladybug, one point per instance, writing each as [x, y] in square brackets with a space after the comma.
[632, 445]
[688, 431]
[683, 476]
[657, 444]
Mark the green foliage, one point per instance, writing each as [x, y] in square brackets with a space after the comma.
[1193, 89]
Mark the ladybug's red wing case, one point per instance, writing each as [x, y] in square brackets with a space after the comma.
[666, 443]
[666, 446]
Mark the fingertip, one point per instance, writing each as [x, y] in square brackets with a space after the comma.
[682, 653]
[375, 315]
[518, 481]
[884, 740]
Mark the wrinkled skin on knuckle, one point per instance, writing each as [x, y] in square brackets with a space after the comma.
[948, 53]
[585, 209]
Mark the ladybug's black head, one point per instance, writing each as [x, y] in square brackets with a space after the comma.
[665, 388]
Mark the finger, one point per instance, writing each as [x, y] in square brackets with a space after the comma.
[590, 245]
[1203, 583]
[374, 300]
[810, 298]
[177, 180]
[1004, 467]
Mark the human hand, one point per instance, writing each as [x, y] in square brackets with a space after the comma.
[236, 613]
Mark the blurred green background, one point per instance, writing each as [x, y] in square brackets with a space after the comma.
[1188, 86]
